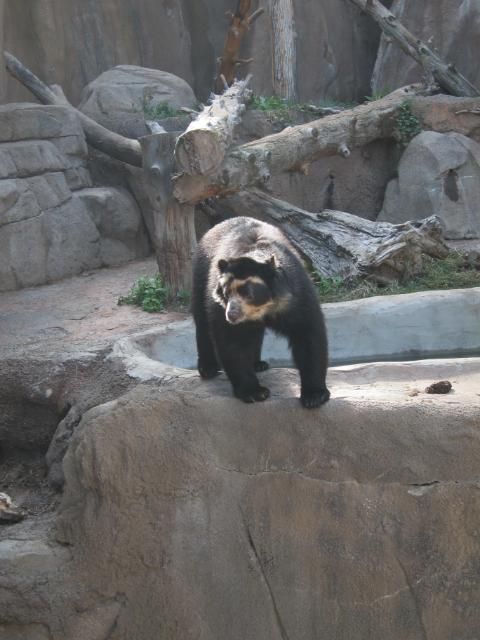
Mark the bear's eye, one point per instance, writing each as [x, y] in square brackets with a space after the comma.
[255, 293]
[245, 290]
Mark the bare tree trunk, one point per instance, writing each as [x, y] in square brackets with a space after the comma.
[342, 244]
[240, 23]
[114, 145]
[294, 148]
[446, 75]
[284, 49]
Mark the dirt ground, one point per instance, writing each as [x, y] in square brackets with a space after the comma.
[79, 313]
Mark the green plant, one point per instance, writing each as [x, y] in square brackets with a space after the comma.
[407, 125]
[328, 287]
[378, 94]
[269, 103]
[149, 293]
[152, 295]
[159, 110]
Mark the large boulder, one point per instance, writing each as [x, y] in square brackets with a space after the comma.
[122, 98]
[116, 215]
[439, 174]
[452, 27]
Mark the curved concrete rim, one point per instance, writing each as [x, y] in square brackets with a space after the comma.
[409, 327]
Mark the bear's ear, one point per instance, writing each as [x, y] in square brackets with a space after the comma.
[222, 266]
[272, 262]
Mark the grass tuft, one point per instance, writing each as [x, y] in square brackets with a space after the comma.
[159, 111]
[452, 272]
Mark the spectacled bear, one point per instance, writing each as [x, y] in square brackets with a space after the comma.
[247, 277]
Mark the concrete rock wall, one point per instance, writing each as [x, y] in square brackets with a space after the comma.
[71, 43]
[52, 224]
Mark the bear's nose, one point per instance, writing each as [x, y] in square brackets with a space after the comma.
[234, 311]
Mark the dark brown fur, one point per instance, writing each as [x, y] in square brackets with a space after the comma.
[247, 277]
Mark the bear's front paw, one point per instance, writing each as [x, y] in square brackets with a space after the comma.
[259, 394]
[208, 371]
[314, 398]
[260, 366]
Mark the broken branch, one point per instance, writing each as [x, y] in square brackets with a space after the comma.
[202, 147]
[448, 78]
[239, 25]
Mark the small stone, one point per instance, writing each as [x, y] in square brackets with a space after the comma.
[443, 386]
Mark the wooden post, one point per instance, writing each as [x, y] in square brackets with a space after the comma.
[173, 223]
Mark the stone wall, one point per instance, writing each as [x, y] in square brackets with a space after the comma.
[71, 43]
[52, 223]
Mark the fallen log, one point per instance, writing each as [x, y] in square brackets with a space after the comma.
[294, 148]
[114, 145]
[446, 75]
[202, 147]
[341, 244]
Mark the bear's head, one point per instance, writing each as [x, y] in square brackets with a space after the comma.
[245, 288]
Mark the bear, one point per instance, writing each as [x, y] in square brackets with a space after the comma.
[247, 277]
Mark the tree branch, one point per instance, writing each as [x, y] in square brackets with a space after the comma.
[113, 144]
[239, 25]
[448, 78]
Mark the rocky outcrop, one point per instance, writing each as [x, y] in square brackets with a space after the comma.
[439, 174]
[188, 514]
[52, 223]
[452, 27]
[122, 98]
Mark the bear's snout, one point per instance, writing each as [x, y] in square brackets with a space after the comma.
[234, 312]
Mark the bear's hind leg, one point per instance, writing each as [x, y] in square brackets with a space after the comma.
[309, 350]
[259, 364]
[207, 364]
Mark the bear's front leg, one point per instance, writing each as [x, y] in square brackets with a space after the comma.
[237, 349]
